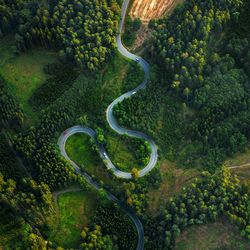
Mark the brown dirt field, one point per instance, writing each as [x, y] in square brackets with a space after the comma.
[151, 9]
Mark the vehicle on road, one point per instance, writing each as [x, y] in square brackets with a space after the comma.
[133, 92]
[105, 155]
[137, 59]
[65, 132]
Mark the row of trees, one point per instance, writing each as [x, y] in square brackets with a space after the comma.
[205, 200]
[61, 78]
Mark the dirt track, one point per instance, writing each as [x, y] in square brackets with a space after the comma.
[150, 9]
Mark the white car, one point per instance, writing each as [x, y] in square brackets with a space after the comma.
[137, 59]
[105, 155]
[133, 92]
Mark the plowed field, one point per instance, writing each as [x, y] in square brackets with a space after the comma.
[150, 9]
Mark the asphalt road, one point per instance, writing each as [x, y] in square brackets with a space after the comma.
[120, 130]
[61, 143]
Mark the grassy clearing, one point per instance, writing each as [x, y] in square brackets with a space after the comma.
[23, 73]
[173, 180]
[75, 210]
[238, 159]
[120, 152]
[242, 173]
[79, 149]
[212, 236]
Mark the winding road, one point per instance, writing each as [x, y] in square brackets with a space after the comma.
[120, 130]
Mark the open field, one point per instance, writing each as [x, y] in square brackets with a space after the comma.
[151, 9]
[79, 149]
[75, 210]
[242, 160]
[122, 152]
[173, 180]
[212, 236]
[23, 73]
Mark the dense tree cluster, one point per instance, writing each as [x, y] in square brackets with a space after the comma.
[131, 27]
[182, 41]
[9, 165]
[10, 111]
[136, 191]
[205, 200]
[213, 81]
[27, 205]
[85, 30]
[94, 239]
[62, 76]
[201, 53]
[12, 13]
[44, 161]
[117, 225]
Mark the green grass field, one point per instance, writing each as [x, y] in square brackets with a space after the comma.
[120, 152]
[24, 73]
[220, 235]
[79, 149]
[75, 210]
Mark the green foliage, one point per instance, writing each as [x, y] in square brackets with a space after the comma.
[136, 191]
[47, 165]
[95, 240]
[9, 165]
[205, 200]
[202, 59]
[116, 224]
[62, 78]
[131, 27]
[85, 30]
[10, 111]
[100, 136]
[127, 152]
[28, 204]
[75, 211]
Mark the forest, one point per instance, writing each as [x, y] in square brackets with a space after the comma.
[196, 107]
[201, 54]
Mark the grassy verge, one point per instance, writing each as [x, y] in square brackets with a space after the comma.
[75, 211]
[24, 73]
[218, 235]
